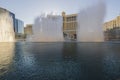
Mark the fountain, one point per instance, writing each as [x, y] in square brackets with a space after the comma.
[90, 22]
[47, 28]
[6, 27]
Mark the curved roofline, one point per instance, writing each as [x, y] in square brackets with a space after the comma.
[5, 9]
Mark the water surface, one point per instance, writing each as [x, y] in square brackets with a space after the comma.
[59, 61]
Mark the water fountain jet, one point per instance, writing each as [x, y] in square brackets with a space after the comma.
[90, 23]
[6, 27]
[47, 28]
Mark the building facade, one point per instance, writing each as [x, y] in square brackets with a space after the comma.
[19, 26]
[112, 30]
[28, 29]
[69, 26]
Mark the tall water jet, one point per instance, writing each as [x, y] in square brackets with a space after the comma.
[90, 23]
[47, 28]
[6, 27]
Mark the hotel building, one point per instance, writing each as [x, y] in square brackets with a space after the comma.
[69, 26]
[20, 26]
[112, 29]
[28, 29]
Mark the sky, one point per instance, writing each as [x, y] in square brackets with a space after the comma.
[28, 10]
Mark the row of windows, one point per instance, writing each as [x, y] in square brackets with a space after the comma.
[112, 24]
[111, 27]
[70, 26]
[73, 18]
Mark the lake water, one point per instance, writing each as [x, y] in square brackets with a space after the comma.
[59, 61]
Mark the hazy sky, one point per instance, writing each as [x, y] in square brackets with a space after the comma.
[27, 10]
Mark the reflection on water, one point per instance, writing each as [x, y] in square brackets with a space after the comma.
[60, 61]
[6, 56]
[69, 52]
[111, 61]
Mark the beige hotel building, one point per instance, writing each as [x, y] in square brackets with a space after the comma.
[112, 29]
[69, 25]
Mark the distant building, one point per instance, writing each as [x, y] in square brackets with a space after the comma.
[112, 29]
[19, 26]
[28, 29]
[69, 25]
